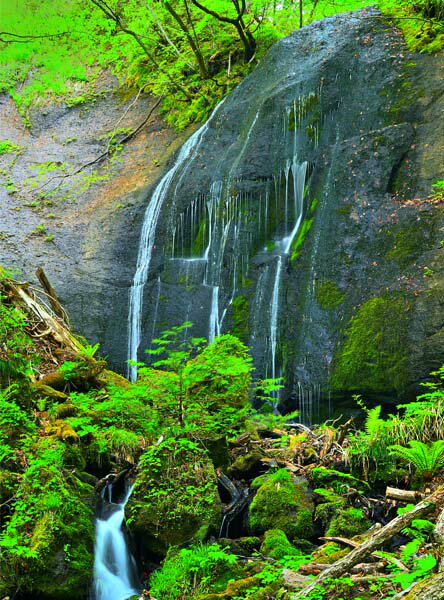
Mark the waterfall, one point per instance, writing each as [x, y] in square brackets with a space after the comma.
[229, 245]
[274, 315]
[147, 237]
[112, 559]
[299, 173]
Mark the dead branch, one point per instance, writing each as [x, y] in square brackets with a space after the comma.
[102, 156]
[52, 296]
[376, 540]
[403, 495]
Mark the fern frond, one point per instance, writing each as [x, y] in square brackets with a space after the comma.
[425, 459]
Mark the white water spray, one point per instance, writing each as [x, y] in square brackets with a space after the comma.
[147, 237]
[112, 566]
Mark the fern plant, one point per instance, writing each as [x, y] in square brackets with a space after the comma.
[426, 459]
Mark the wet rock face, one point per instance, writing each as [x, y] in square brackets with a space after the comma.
[293, 223]
[299, 222]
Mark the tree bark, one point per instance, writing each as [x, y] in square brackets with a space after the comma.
[196, 51]
[439, 536]
[430, 589]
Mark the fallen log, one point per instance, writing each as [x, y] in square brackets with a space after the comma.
[57, 330]
[403, 495]
[52, 296]
[361, 552]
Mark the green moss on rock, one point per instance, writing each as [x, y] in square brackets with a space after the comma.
[375, 353]
[174, 496]
[348, 522]
[277, 546]
[411, 240]
[328, 295]
[282, 502]
[241, 315]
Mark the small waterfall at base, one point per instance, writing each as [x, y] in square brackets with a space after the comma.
[113, 577]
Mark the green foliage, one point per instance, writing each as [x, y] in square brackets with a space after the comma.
[174, 50]
[426, 459]
[422, 421]
[191, 572]
[220, 374]
[7, 147]
[17, 354]
[421, 21]
[204, 389]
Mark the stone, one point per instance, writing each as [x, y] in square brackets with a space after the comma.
[282, 502]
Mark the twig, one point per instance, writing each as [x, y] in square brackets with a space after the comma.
[102, 156]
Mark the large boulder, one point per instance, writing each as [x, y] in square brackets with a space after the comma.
[175, 497]
[282, 502]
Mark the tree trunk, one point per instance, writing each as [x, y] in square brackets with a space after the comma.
[196, 50]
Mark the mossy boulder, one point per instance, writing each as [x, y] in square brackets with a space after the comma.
[247, 465]
[282, 502]
[244, 545]
[47, 546]
[174, 497]
[348, 522]
[277, 546]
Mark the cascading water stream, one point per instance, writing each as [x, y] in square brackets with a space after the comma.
[299, 172]
[113, 578]
[146, 242]
[232, 225]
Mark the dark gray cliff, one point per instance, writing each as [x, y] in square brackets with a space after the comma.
[300, 221]
[340, 109]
